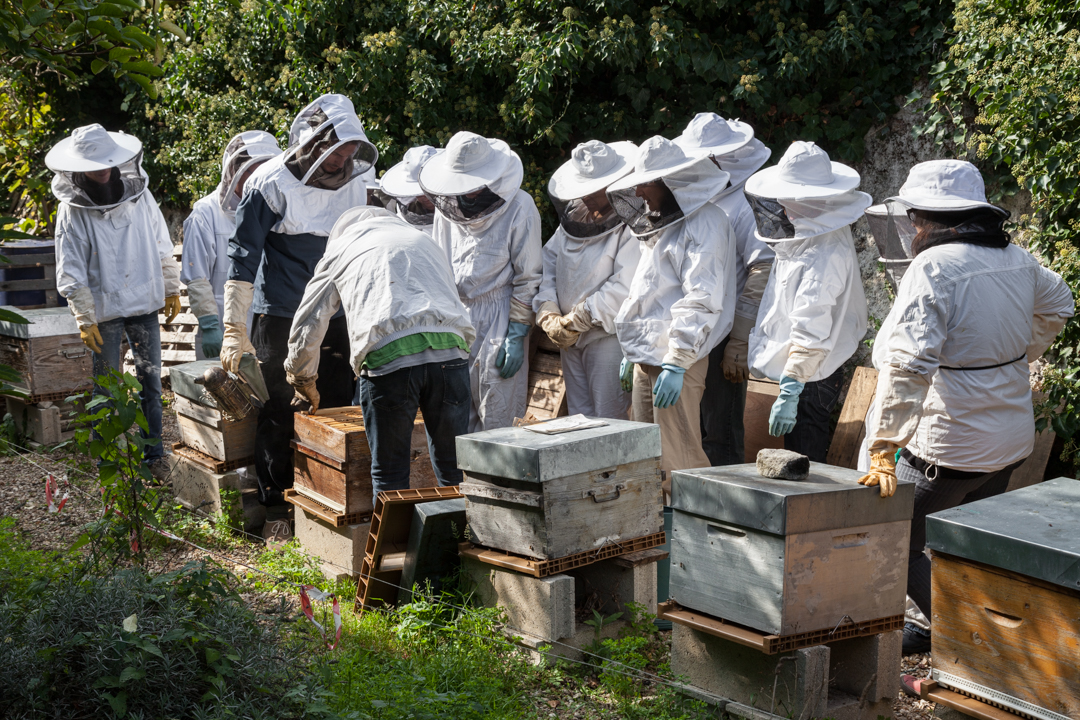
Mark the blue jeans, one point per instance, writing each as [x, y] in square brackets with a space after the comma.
[816, 402]
[389, 403]
[722, 408]
[144, 337]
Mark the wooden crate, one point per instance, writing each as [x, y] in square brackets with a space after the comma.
[48, 353]
[204, 429]
[344, 487]
[550, 496]
[788, 557]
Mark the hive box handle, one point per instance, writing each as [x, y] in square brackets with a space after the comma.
[1003, 619]
[719, 530]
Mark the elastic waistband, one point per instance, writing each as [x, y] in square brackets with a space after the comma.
[985, 367]
[499, 293]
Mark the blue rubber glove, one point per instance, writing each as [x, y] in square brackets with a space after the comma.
[668, 386]
[512, 352]
[212, 336]
[626, 375]
[784, 410]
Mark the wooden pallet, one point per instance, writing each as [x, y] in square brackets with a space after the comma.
[178, 337]
[54, 397]
[547, 391]
[545, 568]
[324, 512]
[390, 526]
[45, 259]
[212, 464]
[772, 644]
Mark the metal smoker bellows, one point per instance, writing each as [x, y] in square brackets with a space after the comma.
[234, 396]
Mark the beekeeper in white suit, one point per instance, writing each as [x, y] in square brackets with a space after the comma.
[490, 230]
[289, 207]
[588, 265]
[953, 391]
[402, 183]
[813, 314]
[682, 296]
[114, 259]
[731, 145]
[205, 265]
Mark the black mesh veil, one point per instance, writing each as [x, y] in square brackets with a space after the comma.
[586, 217]
[771, 219]
[646, 208]
[468, 207]
[306, 162]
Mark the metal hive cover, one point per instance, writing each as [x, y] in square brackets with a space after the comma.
[1034, 531]
[519, 454]
[44, 322]
[830, 498]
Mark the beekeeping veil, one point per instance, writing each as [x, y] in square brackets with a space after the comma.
[665, 187]
[90, 149]
[321, 128]
[402, 183]
[577, 188]
[473, 178]
[244, 153]
[804, 195]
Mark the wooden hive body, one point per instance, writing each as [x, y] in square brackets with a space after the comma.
[48, 353]
[202, 426]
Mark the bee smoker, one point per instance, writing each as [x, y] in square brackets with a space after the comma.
[232, 393]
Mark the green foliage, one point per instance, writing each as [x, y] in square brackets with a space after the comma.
[180, 644]
[286, 562]
[1007, 92]
[540, 74]
[24, 571]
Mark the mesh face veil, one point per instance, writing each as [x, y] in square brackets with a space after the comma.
[772, 222]
[587, 216]
[646, 208]
[468, 207]
[126, 180]
[311, 162]
[415, 211]
[780, 220]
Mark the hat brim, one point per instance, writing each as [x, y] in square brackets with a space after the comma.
[62, 158]
[566, 184]
[396, 182]
[640, 178]
[767, 183]
[744, 133]
[437, 178]
[944, 204]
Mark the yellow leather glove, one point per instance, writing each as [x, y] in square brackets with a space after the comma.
[553, 325]
[172, 308]
[234, 344]
[882, 472]
[91, 337]
[306, 393]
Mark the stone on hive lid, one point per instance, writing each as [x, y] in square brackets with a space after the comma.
[782, 464]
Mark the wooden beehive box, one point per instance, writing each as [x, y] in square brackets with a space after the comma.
[787, 557]
[333, 462]
[549, 496]
[202, 426]
[48, 353]
[1006, 598]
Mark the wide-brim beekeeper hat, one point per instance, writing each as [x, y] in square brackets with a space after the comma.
[469, 163]
[592, 167]
[712, 134]
[403, 180]
[804, 172]
[944, 186]
[91, 148]
[659, 157]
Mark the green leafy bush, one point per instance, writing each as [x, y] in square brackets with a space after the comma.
[1007, 93]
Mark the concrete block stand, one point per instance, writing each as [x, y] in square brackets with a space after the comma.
[341, 548]
[199, 489]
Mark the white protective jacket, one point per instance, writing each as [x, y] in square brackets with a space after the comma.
[392, 281]
[122, 253]
[596, 270]
[682, 297]
[815, 300]
[962, 305]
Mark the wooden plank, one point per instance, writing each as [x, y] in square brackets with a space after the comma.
[46, 283]
[554, 566]
[178, 356]
[1008, 632]
[34, 260]
[933, 692]
[545, 399]
[500, 559]
[336, 432]
[670, 610]
[851, 428]
[641, 557]
[350, 490]
[760, 397]
[546, 362]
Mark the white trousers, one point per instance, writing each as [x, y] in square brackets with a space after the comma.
[591, 375]
[496, 401]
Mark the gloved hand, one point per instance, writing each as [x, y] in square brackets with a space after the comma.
[553, 325]
[668, 386]
[626, 375]
[172, 308]
[579, 319]
[91, 337]
[882, 472]
[306, 393]
[211, 335]
[735, 366]
[786, 407]
[233, 346]
[512, 353]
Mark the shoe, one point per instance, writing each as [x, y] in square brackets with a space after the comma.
[916, 640]
[911, 685]
[277, 532]
[160, 468]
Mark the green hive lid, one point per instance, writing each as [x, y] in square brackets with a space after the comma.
[1034, 531]
[44, 322]
[520, 454]
[830, 498]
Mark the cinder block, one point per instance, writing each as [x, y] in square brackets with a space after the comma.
[433, 541]
[843, 706]
[340, 548]
[200, 489]
[543, 607]
[613, 586]
[542, 650]
[867, 667]
[794, 684]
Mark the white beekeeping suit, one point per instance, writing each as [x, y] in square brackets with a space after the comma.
[205, 265]
[490, 230]
[402, 183]
[588, 265]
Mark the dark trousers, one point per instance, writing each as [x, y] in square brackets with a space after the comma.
[950, 489]
[389, 403]
[722, 408]
[144, 337]
[816, 402]
[273, 455]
